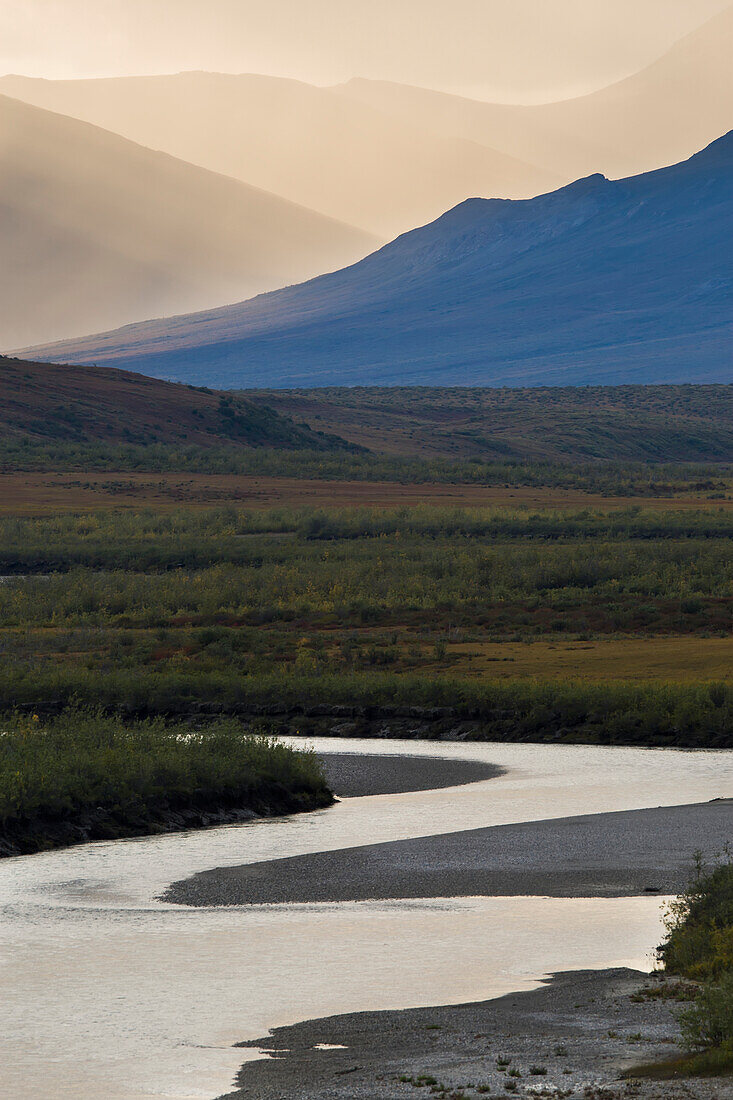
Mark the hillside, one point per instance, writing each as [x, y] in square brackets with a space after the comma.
[97, 232]
[656, 117]
[619, 423]
[73, 404]
[602, 282]
[349, 160]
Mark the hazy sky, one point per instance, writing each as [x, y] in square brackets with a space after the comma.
[516, 50]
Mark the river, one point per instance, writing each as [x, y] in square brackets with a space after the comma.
[109, 994]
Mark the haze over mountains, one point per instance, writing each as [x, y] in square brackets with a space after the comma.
[329, 152]
[96, 231]
[164, 195]
[388, 157]
[599, 282]
[657, 117]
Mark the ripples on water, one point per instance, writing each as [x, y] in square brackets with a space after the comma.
[111, 995]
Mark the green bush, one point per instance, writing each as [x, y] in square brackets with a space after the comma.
[699, 942]
[84, 760]
[699, 945]
[709, 1022]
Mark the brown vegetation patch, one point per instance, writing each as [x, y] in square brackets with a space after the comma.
[44, 493]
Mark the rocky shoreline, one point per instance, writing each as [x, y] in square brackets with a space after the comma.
[575, 1036]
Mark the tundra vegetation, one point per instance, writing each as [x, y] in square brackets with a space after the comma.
[172, 555]
[84, 775]
[580, 625]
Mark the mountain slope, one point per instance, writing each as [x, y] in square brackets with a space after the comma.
[312, 145]
[42, 402]
[599, 282]
[657, 117]
[96, 231]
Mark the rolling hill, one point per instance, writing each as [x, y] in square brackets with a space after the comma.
[42, 402]
[96, 232]
[601, 282]
[584, 423]
[314, 146]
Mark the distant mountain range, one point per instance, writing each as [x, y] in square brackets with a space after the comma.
[656, 117]
[326, 151]
[96, 231]
[388, 157]
[600, 282]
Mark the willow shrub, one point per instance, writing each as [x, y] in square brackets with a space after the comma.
[699, 942]
[82, 760]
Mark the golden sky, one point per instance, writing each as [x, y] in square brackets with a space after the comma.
[511, 50]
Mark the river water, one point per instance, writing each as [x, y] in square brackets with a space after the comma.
[108, 994]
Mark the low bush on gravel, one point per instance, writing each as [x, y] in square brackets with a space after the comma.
[699, 946]
[699, 942]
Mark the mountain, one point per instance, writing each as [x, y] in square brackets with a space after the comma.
[96, 231]
[389, 157]
[654, 118]
[42, 402]
[314, 146]
[601, 282]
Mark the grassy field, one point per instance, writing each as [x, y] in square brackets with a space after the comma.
[545, 563]
[34, 494]
[533, 622]
[681, 659]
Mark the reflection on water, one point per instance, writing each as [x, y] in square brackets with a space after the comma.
[109, 994]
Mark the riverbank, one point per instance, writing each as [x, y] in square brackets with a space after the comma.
[346, 775]
[573, 1037]
[83, 776]
[623, 854]
[148, 999]
[109, 823]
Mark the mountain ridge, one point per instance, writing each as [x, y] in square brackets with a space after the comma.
[345, 159]
[599, 282]
[98, 231]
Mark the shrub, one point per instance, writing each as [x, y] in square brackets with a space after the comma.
[709, 1022]
[699, 942]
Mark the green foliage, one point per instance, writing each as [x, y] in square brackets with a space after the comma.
[331, 460]
[709, 1022]
[143, 613]
[642, 572]
[699, 946]
[84, 760]
[659, 714]
[699, 942]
